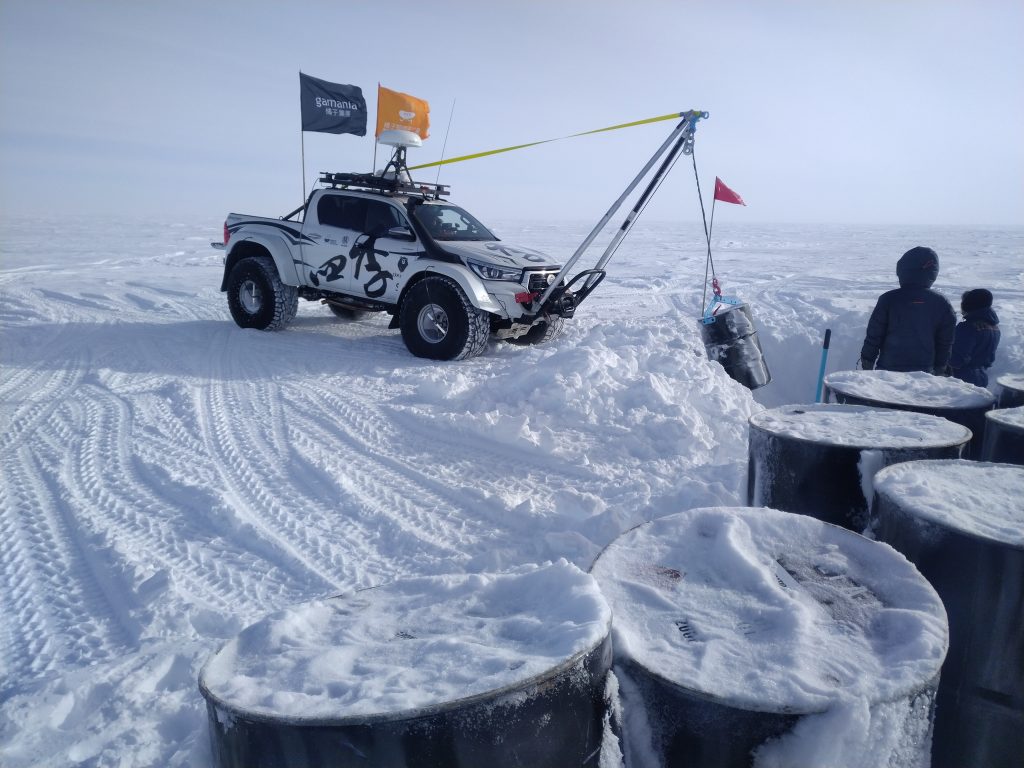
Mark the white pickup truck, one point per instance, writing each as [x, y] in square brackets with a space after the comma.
[368, 243]
[383, 243]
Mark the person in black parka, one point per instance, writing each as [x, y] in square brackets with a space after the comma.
[911, 328]
[975, 339]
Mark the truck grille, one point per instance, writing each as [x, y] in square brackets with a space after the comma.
[539, 280]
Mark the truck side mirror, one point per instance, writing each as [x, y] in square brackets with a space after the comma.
[401, 233]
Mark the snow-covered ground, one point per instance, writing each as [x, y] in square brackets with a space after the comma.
[167, 478]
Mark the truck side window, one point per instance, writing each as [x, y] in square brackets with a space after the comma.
[342, 211]
[381, 217]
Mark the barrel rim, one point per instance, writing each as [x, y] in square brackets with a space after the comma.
[945, 524]
[752, 705]
[739, 702]
[998, 415]
[929, 685]
[855, 446]
[871, 402]
[415, 713]
[1003, 380]
[990, 399]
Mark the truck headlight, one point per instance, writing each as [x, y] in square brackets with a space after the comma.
[491, 272]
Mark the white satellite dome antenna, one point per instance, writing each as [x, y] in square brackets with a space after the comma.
[400, 140]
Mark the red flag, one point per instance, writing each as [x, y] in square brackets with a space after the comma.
[725, 194]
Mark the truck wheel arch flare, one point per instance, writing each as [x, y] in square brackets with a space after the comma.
[473, 288]
[269, 245]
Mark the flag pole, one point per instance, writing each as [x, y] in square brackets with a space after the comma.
[302, 139]
[711, 228]
[824, 360]
[376, 133]
[707, 261]
[445, 145]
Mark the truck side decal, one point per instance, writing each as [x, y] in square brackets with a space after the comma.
[294, 235]
[364, 255]
[330, 271]
[365, 250]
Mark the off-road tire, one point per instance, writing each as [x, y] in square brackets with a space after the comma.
[439, 322]
[541, 333]
[257, 298]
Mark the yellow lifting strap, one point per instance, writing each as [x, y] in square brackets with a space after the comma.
[672, 116]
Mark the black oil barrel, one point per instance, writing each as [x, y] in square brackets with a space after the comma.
[1004, 436]
[962, 524]
[818, 459]
[1011, 390]
[738, 626]
[919, 392]
[731, 339]
[439, 672]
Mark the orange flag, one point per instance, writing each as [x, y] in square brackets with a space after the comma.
[402, 112]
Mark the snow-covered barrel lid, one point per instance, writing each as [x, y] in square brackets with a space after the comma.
[1010, 417]
[860, 426]
[1011, 381]
[771, 612]
[914, 388]
[980, 499]
[410, 648]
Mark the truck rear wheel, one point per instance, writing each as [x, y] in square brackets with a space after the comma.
[257, 298]
[439, 322]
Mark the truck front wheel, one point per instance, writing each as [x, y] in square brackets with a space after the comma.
[541, 333]
[439, 322]
[257, 298]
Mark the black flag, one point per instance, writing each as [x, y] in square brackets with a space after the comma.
[330, 107]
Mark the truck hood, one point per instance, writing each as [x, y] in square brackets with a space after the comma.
[499, 254]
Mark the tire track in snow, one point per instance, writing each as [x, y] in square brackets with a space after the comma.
[428, 498]
[411, 518]
[23, 601]
[33, 394]
[105, 484]
[253, 472]
[67, 611]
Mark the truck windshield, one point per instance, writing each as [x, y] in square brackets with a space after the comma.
[449, 222]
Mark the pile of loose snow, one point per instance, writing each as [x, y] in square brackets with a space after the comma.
[411, 644]
[771, 611]
[977, 498]
[858, 426]
[915, 388]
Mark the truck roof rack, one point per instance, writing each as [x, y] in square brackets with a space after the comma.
[391, 184]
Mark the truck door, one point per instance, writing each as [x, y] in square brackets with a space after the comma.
[339, 223]
[381, 255]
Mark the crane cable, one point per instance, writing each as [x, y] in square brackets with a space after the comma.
[707, 236]
[475, 155]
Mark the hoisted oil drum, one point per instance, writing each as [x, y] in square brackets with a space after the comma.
[746, 634]
[1011, 390]
[1004, 435]
[919, 392]
[731, 339]
[497, 670]
[962, 524]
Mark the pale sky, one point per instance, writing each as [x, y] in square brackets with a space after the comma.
[861, 112]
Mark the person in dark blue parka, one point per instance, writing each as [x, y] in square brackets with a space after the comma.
[975, 339]
[911, 328]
